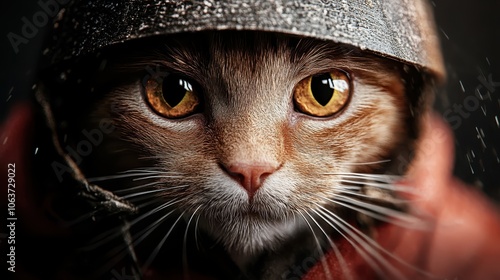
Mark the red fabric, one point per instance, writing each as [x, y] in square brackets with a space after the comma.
[355, 265]
[16, 147]
[16, 134]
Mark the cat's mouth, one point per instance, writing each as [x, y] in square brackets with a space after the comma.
[250, 231]
[253, 212]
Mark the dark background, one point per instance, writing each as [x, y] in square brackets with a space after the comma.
[470, 35]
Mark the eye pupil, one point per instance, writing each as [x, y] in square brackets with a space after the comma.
[322, 88]
[174, 89]
[323, 94]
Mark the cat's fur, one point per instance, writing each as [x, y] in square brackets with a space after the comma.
[246, 80]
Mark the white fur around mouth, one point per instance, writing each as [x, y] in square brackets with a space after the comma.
[249, 235]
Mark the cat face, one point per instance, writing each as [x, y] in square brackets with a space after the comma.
[234, 130]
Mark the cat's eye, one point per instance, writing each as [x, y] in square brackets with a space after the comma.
[322, 95]
[172, 96]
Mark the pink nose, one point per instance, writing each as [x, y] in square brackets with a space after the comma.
[250, 176]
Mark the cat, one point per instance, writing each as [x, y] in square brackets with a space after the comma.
[245, 151]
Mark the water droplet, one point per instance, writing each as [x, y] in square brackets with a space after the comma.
[445, 35]
[36, 150]
[480, 135]
[470, 163]
[9, 94]
[496, 155]
[5, 140]
[462, 85]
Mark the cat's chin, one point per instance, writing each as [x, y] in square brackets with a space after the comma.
[250, 236]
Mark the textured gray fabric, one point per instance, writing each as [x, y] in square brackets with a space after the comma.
[400, 29]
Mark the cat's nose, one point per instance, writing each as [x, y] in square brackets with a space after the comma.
[250, 175]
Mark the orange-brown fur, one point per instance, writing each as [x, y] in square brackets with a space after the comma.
[247, 81]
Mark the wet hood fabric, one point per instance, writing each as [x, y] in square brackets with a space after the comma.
[398, 29]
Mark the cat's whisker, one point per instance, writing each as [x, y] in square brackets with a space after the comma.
[402, 219]
[157, 177]
[374, 259]
[137, 187]
[376, 245]
[324, 264]
[113, 177]
[196, 232]
[176, 187]
[151, 170]
[371, 262]
[92, 213]
[121, 250]
[358, 194]
[336, 251]
[136, 173]
[348, 188]
[136, 199]
[152, 198]
[112, 233]
[366, 163]
[155, 252]
[184, 245]
[380, 181]
[142, 193]
[150, 202]
[150, 228]
[380, 213]
[389, 178]
[384, 186]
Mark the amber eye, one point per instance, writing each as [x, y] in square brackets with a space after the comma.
[322, 95]
[172, 96]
